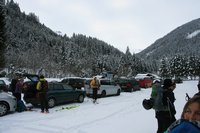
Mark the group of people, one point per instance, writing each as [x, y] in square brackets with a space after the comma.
[18, 86]
[165, 113]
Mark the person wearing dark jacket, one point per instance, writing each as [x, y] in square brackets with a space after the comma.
[13, 84]
[42, 88]
[198, 93]
[166, 117]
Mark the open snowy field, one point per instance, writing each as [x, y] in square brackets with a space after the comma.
[117, 114]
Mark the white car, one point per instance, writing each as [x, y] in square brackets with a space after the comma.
[107, 87]
[8, 103]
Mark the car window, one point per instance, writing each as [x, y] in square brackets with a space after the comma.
[73, 81]
[58, 87]
[67, 87]
[105, 82]
[112, 83]
[2, 82]
[50, 86]
[87, 82]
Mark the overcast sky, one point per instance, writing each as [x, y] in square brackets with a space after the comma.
[121, 23]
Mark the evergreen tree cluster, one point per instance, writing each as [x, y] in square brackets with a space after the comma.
[180, 67]
[2, 34]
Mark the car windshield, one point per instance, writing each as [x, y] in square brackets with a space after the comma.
[34, 78]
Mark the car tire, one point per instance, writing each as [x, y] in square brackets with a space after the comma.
[80, 98]
[3, 109]
[51, 102]
[103, 93]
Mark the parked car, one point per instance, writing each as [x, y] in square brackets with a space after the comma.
[145, 80]
[3, 85]
[128, 85]
[107, 87]
[58, 93]
[75, 82]
[8, 103]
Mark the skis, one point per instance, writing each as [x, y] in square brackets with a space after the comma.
[68, 107]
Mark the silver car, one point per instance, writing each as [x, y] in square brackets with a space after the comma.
[107, 87]
[8, 103]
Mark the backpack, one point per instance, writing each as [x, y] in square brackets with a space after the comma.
[95, 83]
[20, 106]
[158, 104]
[43, 86]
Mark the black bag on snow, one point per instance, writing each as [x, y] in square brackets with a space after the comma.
[147, 103]
[20, 106]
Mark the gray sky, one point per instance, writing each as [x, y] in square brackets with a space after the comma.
[121, 23]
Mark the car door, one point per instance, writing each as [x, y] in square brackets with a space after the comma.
[70, 93]
[113, 87]
[57, 92]
[105, 85]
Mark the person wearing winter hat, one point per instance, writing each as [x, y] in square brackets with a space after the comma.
[42, 88]
[190, 118]
[156, 84]
[166, 117]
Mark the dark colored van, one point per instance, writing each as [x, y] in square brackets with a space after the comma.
[58, 93]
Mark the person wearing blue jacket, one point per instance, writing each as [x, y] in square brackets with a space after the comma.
[190, 118]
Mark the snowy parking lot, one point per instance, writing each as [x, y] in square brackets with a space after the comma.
[117, 114]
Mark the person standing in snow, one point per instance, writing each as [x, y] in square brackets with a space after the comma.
[13, 83]
[166, 116]
[190, 118]
[94, 84]
[19, 88]
[155, 86]
[42, 88]
[198, 85]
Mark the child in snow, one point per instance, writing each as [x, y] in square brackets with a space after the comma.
[190, 118]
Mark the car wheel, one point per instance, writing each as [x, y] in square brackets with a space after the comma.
[3, 109]
[118, 92]
[80, 98]
[51, 102]
[103, 93]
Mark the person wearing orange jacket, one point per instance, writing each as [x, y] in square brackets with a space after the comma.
[94, 84]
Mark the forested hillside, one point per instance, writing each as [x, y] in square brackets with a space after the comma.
[29, 46]
[32, 47]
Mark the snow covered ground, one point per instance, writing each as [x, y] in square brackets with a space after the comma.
[117, 114]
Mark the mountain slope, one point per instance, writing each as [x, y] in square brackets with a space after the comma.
[184, 40]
